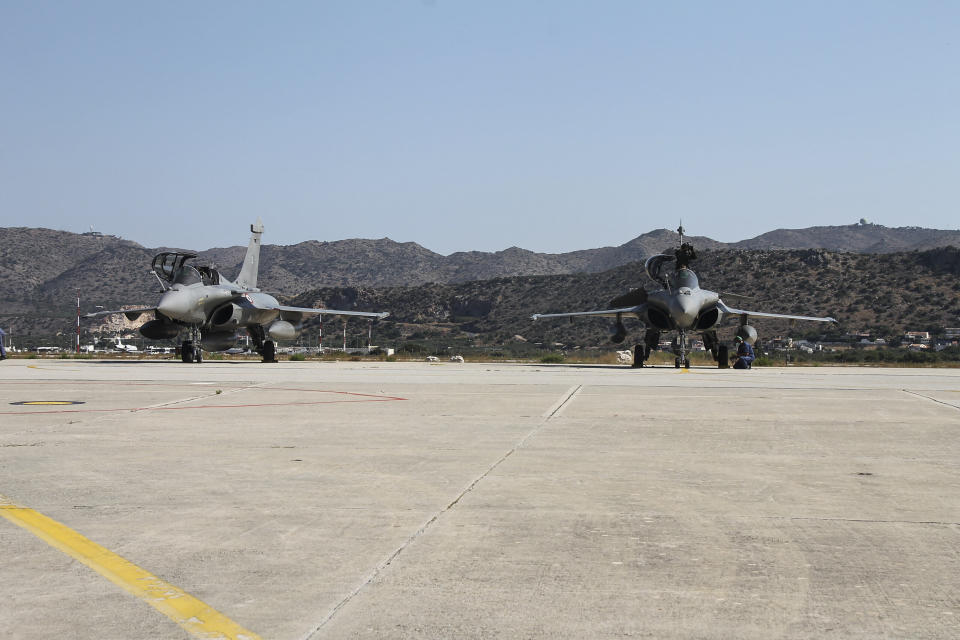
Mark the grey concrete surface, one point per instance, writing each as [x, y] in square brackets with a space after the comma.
[414, 500]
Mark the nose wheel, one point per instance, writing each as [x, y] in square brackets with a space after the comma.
[680, 348]
[190, 350]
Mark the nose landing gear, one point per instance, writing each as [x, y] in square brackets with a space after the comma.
[680, 348]
[190, 350]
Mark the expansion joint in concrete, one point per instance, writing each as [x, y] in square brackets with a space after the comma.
[551, 413]
[920, 395]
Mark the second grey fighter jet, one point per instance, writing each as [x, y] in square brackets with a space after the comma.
[681, 306]
[211, 309]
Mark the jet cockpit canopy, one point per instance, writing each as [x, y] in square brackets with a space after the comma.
[171, 267]
[168, 264]
[656, 267]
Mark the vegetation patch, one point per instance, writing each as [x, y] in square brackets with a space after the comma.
[552, 358]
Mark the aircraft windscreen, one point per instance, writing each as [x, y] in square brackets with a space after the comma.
[687, 278]
[187, 276]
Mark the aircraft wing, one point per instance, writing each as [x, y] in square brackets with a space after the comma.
[603, 313]
[297, 313]
[132, 314]
[759, 314]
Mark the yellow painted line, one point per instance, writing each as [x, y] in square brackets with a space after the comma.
[196, 617]
[36, 366]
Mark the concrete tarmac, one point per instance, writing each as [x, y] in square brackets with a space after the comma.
[308, 500]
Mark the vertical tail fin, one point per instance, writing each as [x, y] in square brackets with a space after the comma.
[251, 262]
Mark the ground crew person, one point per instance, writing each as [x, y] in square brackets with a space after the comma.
[744, 355]
[3, 350]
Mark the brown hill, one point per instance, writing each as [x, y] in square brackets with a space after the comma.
[859, 238]
[885, 294]
[42, 269]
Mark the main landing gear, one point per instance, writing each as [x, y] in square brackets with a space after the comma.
[720, 352]
[266, 348]
[641, 352]
[723, 357]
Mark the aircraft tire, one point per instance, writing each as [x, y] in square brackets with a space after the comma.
[676, 363]
[186, 351]
[723, 357]
[638, 356]
[198, 355]
[269, 351]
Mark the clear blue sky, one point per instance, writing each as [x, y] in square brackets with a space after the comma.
[548, 125]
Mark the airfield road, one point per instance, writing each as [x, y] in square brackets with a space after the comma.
[308, 500]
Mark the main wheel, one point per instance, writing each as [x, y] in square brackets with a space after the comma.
[269, 351]
[639, 355]
[723, 357]
[198, 354]
[186, 351]
[686, 363]
[676, 363]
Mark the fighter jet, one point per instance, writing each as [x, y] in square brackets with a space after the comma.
[210, 308]
[681, 306]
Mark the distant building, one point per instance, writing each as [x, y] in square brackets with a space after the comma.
[923, 337]
[952, 332]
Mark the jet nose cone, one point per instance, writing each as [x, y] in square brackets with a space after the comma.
[685, 310]
[175, 304]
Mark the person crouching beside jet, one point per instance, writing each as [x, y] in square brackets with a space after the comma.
[745, 356]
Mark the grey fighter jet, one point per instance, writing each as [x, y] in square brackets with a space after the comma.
[681, 306]
[211, 309]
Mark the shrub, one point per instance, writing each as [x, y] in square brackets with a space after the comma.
[552, 358]
[297, 357]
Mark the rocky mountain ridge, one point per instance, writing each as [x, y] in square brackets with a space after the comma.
[41, 270]
[881, 294]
